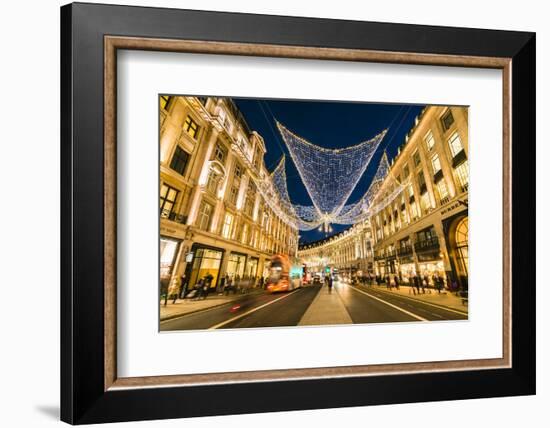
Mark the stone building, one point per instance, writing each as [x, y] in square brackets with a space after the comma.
[219, 215]
[422, 227]
[350, 252]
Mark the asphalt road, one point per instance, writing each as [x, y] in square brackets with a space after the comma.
[371, 305]
[363, 304]
[280, 310]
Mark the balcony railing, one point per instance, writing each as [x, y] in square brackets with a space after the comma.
[405, 250]
[171, 215]
[430, 244]
[444, 200]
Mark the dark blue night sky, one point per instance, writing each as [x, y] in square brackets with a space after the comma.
[328, 124]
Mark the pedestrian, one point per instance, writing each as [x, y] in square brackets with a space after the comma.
[396, 280]
[176, 292]
[172, 292]
[227, 285]
[183, 286]
[440, 284]
[199, 289]
[330, 284]
[426, 284]
[207, 285]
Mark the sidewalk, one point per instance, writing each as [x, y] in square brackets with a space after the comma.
[326, 309]
[446, 298]
[188, 306]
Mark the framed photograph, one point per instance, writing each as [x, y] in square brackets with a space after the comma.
[267, 213]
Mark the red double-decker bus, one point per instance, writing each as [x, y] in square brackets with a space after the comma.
[280, 277]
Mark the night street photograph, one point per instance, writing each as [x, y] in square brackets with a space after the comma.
[289, 213]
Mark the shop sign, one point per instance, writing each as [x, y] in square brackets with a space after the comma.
[454, 206]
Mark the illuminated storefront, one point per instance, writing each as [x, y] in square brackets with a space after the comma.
[427, 270]
[407, 270]
[236, 265]
[252, 267]
[456, 229]
[168, 251]
[206, 262]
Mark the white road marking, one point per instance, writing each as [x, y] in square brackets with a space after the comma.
[390, 304]
[445, 308]
[221, 324]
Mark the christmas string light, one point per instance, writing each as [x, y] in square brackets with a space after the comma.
[329, 175]
[382, 191]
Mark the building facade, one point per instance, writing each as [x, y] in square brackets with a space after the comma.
[423, 229]
[350, 252]
[216, 218]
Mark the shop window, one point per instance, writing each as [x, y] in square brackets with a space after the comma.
[168, 196]
[168, 250]
[236, 266]
[179, 161]
[191, 127]
[461, 239]
[206, 266]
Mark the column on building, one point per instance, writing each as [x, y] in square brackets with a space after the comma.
[203, 165]
[427, 168]
[217, 218]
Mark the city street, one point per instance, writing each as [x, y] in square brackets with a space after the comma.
[317, 305]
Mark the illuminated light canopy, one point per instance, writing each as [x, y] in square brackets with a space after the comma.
[329, 175]
[304, 220]
[382, 191]
[366, 206]
[278, 177]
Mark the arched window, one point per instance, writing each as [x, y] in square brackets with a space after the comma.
[461, 239]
